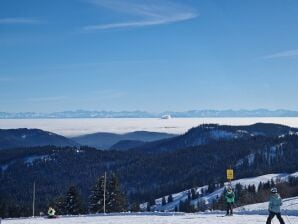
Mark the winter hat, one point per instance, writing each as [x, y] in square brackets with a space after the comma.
[274, 190]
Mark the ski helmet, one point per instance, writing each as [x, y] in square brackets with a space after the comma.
[274, 190]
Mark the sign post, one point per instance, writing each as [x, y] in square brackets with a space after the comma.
[33, 201]
[230, 174]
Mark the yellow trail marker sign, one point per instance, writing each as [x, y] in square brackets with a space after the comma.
[230, 174]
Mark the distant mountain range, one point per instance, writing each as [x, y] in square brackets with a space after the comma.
[23, 137]
[120, 141]
[144, 114]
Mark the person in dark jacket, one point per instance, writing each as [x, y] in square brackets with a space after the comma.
[275, 202]
[230, 199]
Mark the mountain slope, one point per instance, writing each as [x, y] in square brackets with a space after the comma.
[289, 207]
[210, 197]
[106, 140]
[127, 144]
[207, 133]
[23, 137]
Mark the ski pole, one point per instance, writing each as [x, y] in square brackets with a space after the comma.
[288, 219]
[286, 214]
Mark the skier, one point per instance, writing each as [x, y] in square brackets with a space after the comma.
[230, 199]
[51, 212]
[274, 206]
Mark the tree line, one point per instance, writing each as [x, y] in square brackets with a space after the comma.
[105, 193]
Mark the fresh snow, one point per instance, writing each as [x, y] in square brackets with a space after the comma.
[289, 207]
[250, 158]
[153, 219]
[249, 214]
[29, 160]
[182, 196]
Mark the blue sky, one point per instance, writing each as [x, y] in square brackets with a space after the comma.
[152, 55]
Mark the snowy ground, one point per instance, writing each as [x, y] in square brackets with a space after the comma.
[250, 214]
[155, 219]
[74, 127]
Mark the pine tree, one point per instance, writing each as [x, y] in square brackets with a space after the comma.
[59, 205]
[115, 199]
[193, 194]
[176, 208]
[188, 195]
[135, 206]
[170, 198]
[150, 203]
[163, 201]
[96, 198]
[73, 202]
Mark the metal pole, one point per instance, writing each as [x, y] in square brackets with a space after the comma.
[33, 203]
[104, 194]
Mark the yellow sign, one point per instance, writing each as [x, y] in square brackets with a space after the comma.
[230, 174]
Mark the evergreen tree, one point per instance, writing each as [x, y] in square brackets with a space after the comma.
[163, 201]
[96, 198]
[194, 194]
[176, 208]
[135, 206]
[2, 209]
[115, 201]
[170, 198]
[73, 202]
[188, 195]
[59, 205]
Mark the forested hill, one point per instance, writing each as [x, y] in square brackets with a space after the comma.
[143, 175]
[24, 137]
[207, 133]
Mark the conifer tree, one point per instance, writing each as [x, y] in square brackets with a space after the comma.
[115, 199]
[163, 201]
[170, 198]
[135, 206]
[193, 194]
[96, 198]
[73, 202]
[59, 205]
[189, 195]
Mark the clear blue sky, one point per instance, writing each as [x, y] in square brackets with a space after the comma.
[152, 55]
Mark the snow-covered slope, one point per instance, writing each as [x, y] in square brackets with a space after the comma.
[289, 207]
[182, 196]
[153, 219]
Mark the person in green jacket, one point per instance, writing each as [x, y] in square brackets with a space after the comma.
[230, 199]
[275, 202]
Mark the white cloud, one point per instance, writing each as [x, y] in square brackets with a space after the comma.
[283, 54]
[19, 20]
[148, 13]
